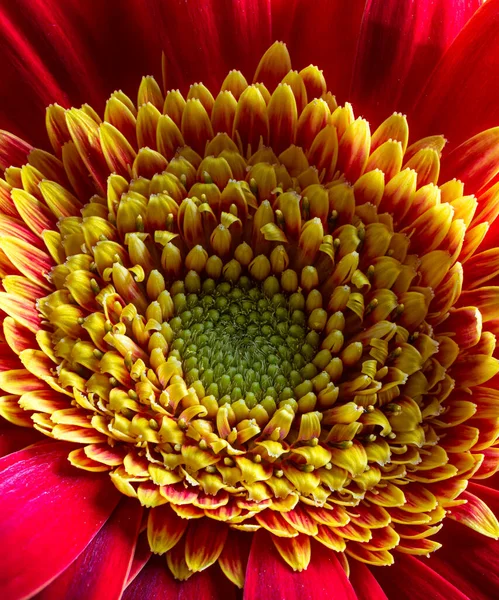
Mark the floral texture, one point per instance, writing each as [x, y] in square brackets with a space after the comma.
[248, 331]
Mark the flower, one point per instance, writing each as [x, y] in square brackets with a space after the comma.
[261, 328]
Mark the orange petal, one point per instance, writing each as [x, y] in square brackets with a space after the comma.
[474, 370]
[80, 460]
[482, 267]
[234, 557]
[475, 161]
[295, 551]
[196, 125]
[426, 163]
[164, 529]
[85, 134]
[34, 213]
[328, 537]
[274, 522]
[251, 122]
[31, 262]
[354, 149]
[273, 66]
[13, 150]
[204, 543]
[22, 310]
[117, 151]
[476, 514]
[283, 117]
[17, 337]
[418, 547]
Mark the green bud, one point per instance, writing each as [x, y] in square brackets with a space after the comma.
[282, 328]
[224, 288]
[307, 351]
[309, 371]
[269, 404]
[177, 287]
[313, 338]
[279, 300]
[236, 293]
[299, 361]
[296, 302]
[186, 318]
[207, 301]
[250, 400]
[286, 393]
[178, 344]
[271, 392]
[236, 394]
[212, 390]
[209, 286]
[244, 283]
[281, 313]
[221, 302]
[208, 377]
[271, 286]
[192, 376]
[213, 315]
[192, 282]
[296, 331]
[180, 302]
[224, 384]
[176, 324]
[190, 363]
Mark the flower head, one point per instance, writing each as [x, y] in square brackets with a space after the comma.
[265, 319]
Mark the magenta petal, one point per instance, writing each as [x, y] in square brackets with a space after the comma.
[268, 576]
[155, 582]
[413, 579]
[50, 512]
[364, 583]
[101, 570]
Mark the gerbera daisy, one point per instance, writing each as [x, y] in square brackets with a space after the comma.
[249, 319]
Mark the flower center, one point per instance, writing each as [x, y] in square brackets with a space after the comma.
[244, 342]
[257, 334]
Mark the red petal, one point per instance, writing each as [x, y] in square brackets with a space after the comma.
[411, 579]
[14, 438]
[50, 512]
[322, 33]
[469, 560]
[155, 582]
[459, 99]
[87, 46]
[364, 583]
[474, 162]
[13, 150]
[268, 576]
[101, 569]
[400, 43]
[141, 556]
